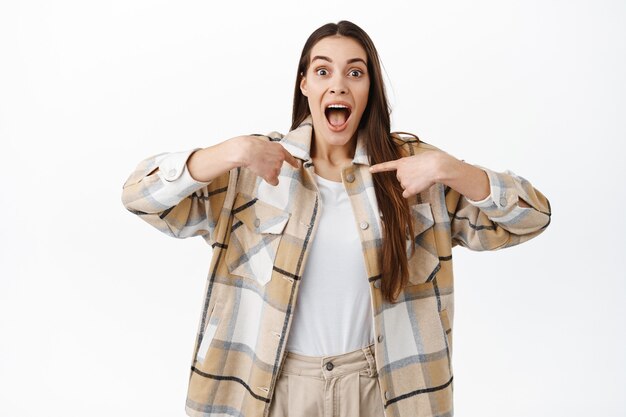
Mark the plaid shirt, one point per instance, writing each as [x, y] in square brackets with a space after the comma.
[261, 237]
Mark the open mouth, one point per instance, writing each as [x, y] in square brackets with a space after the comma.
[337, 115]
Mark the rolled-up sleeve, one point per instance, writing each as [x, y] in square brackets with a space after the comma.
[498, 220]
[163, 193]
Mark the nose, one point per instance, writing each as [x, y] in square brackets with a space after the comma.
[339, 87]
[338, 90]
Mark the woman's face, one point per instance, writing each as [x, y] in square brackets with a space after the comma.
[336, 85]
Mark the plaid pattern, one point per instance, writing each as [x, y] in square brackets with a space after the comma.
[260, 236]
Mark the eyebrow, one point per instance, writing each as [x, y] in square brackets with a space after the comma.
[350, 61]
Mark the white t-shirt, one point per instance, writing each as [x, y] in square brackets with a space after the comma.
[333, 312]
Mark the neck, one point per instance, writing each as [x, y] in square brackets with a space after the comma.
[332, 155]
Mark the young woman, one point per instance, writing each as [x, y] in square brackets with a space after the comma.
[330, 291]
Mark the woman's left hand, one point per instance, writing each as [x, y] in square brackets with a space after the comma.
[417, 172]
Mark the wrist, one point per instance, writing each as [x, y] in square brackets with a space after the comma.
[207, 163]
[468, 180]
[447, 168]
[235, 151]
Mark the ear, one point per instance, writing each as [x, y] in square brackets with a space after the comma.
[303, 86]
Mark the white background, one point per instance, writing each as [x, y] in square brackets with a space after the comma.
[98, 311]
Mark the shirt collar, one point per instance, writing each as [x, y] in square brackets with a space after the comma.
[298, 143]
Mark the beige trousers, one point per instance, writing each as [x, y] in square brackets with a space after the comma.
[343, 385]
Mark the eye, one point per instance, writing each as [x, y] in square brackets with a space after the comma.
[321, 71]
[356, 73]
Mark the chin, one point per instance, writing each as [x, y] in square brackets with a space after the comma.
[340, 138]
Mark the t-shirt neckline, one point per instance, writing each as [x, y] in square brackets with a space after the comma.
[328, 182]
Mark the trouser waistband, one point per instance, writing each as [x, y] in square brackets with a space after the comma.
[326, 367]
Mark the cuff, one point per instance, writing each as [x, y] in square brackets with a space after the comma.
[502, 201]
[175, 176]
[484, 202]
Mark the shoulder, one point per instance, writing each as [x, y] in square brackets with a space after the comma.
[410, 144]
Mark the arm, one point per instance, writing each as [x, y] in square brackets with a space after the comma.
[163, 192]
[512, 212]
[509, 210]
[469, 180]
[182, 194]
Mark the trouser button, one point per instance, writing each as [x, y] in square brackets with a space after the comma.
[330, 366]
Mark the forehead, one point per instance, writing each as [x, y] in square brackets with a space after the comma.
[339, 49]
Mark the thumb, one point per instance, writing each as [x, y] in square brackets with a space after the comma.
[289, 158]
[271, 181]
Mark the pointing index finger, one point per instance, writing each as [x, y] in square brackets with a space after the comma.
[384, 166]
[290, 159]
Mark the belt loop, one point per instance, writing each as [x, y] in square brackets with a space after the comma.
[369, 355]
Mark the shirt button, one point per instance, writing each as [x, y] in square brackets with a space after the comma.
[171, 173]
[257, 222]
[380, 338]
[330, 366]
[387, 395]
[350, 177]
[503, 201]
[364, 225]
[377, 283]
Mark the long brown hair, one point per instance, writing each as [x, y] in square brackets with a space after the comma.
[375, 122]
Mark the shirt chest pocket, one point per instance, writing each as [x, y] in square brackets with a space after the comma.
[256, 231]
[424, 264]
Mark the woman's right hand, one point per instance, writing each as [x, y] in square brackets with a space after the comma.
[264, 158]
[260, 156]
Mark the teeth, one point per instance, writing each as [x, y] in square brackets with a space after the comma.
[336, 106]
